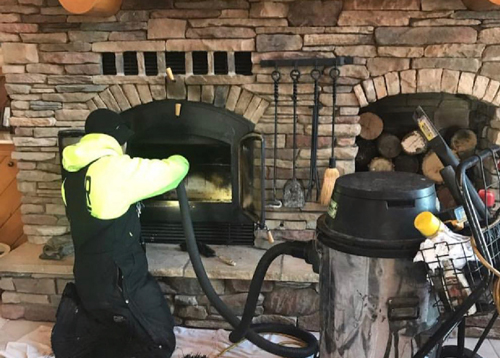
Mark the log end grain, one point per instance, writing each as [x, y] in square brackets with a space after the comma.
[380, 164]
[414, 143]
[431, 167]
[464, 141]
[371, 126]
[389, 145]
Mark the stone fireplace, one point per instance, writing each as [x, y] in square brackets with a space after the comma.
[59, 67]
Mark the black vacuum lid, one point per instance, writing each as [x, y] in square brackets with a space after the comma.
[384, 186]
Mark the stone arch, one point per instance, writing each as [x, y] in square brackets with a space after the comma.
[121, 97]
[476, 86]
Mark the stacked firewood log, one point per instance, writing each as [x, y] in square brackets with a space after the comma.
[380, 150]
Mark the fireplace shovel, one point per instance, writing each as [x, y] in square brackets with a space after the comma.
[293, 192]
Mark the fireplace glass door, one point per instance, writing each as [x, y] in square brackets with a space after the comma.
[209, 179]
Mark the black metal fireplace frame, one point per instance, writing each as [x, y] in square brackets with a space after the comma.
[217, 223]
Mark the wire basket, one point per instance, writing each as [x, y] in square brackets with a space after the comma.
[454, 271]
[452, 280]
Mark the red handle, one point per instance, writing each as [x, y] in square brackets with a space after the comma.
[488, 197]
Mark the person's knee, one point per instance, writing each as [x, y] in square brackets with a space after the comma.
[67, 315]
[74, 333]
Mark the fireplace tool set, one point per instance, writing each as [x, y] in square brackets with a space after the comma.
[295, 194]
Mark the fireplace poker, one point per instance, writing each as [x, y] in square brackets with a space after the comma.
[276, 76]
[293, 192]
[313, 169]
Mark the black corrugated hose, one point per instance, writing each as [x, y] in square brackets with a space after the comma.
[244, 328]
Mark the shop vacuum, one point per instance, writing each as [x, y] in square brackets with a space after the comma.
[374, 299]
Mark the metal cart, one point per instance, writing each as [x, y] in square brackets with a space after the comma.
[474, 289]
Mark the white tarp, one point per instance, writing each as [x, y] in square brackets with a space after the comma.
[189, 341]
[441, 252]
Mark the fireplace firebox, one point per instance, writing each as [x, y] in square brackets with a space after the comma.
[223, 184]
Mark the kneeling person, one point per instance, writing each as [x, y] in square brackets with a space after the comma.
[115, 308]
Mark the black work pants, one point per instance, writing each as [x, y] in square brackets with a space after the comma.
[82, 334]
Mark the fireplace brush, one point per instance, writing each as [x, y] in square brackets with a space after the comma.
[331, 173]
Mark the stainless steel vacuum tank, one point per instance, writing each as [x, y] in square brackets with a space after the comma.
[374, 299]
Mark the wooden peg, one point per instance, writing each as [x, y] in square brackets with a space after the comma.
[270, 237]
[178, 109]
[4, 249]
[170, 74]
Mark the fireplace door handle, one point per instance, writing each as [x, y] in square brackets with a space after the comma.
[258, 137]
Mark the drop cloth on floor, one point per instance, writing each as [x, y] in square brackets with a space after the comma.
[33, 345]
[189, 341]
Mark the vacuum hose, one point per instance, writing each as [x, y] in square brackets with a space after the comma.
[244, 327]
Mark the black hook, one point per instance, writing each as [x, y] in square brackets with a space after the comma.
[295, 74]
[315, 74]
[334, 72]
[276, 75]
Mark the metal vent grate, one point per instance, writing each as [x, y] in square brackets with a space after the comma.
[220, 63]
[151, 63]
[200, 62]
[130, 66]
[108, 63]
[243, 63]
[207, 232]
[177, 62]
